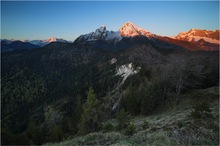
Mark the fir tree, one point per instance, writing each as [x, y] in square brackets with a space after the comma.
[90, 118]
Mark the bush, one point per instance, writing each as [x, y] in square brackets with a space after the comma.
[108, 127]
[130, 130]
[145, 125]
[57, 133]
[150, 97]
[132, 100]
[201, 111]
[180, 124]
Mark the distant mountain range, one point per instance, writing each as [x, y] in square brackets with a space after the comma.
[11, 45]
[210, 36]
[199, 39]
[129, 34]
[42, 43]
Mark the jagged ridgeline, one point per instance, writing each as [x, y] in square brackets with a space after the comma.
[68, 89]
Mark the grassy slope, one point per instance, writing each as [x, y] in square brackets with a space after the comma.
[169, 125]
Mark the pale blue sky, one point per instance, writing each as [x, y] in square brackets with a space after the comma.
[68, 20]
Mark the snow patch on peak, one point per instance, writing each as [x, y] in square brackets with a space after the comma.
[52, 39]
[102, 29]
[55, 40]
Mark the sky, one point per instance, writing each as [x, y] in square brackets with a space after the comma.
[70, 19]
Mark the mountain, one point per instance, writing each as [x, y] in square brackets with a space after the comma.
[101, 34]
[196, 39]
[8, 45]
[130, 34]
[42, 43]
[210, 36]
[5, 41]
[129, 30]
[11, 45]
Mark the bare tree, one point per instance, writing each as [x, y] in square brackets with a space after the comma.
[181, 67]
[181, 72]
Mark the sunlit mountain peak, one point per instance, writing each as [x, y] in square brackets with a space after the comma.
[129, 29]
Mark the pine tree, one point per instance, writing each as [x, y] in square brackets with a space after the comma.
[56, 133]
[123, 119]
[78, 111]
[150, 98]
[90, 118]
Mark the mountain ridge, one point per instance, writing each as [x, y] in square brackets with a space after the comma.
[131, 34]
[12, 44]
[210, 36]
[192, 40]
[44, 42]
[7, 46]
[127, 30]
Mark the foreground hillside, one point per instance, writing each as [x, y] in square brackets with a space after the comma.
[169, 125]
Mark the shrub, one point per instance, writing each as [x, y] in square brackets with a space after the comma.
[201, 111]
[108, 127]
[150, 97]
[145, 124]
[180, 124]
[130, 130]
[57, 133]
